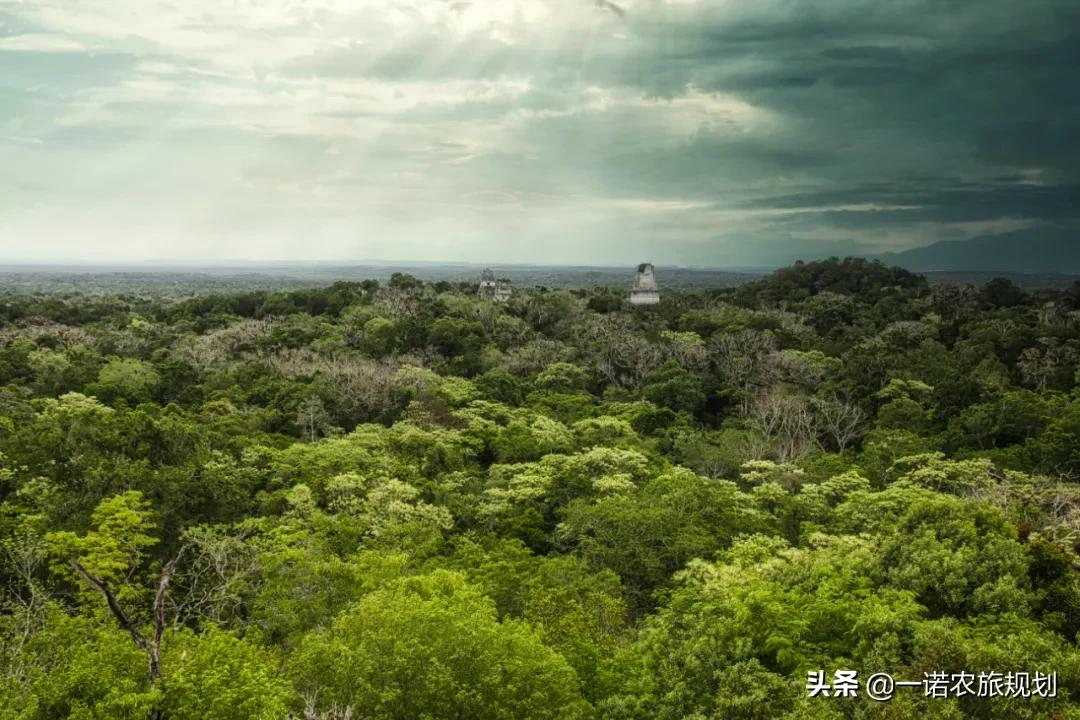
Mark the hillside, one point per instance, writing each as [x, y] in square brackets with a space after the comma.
[1049, 250]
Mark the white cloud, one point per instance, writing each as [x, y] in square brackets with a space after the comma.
[40, 42]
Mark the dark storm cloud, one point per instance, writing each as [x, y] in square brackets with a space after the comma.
[927, 109]
[990, 83]
[932, 200]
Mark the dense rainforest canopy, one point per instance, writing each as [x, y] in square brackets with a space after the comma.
[402, 501]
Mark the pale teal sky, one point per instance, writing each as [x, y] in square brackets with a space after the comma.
[709, 132]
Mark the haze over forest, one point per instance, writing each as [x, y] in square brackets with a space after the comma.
[538, 131]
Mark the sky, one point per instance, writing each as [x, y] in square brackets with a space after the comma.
[682, 132]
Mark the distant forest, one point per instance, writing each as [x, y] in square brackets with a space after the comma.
[177, 282]
[396, 499]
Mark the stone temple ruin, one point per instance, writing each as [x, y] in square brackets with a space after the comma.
[492, 289]
[645, 290]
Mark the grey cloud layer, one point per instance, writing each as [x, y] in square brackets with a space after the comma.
[709, 132]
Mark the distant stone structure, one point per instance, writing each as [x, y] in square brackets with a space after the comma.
[492, 289]
[645, 290]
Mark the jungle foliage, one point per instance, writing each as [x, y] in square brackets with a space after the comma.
[397, 500]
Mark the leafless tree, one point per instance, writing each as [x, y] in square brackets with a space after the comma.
[311, 710]
[787, 421]
[1038, 364]
[906, 333]
[24, 598]
[1049, 505]
[312, 418]
[296, 363]
[362, 388]
[398, 303]
[838, 421]
[747, 361]
[687, 349]
[1061, 502]
[758, 445]
[219, 574]
[952, 301]
[623, 355]
[38, 328]
[218, 346]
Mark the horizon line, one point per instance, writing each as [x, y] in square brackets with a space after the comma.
[244, 263]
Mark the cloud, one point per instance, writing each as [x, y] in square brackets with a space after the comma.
[583, 130]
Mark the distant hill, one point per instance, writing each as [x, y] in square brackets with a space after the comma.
[1027, 281]
[1042, 250]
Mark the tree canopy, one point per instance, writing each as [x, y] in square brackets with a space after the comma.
[405, 501]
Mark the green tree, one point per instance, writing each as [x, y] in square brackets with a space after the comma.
[432, 646]
[133, 380]
[214, 675]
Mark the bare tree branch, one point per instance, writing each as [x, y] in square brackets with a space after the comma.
[114, 605]
[152, 649]
[159, 615]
